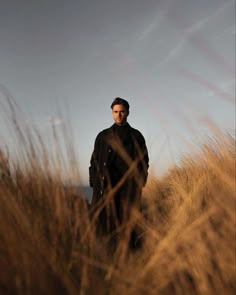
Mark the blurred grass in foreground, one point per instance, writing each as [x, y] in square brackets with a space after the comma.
[48, 245]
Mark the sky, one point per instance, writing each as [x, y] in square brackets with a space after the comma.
[64, 62]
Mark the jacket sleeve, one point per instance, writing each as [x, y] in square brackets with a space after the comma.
[93, 168]
[144, 163]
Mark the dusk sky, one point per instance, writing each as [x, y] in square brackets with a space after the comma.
[173, 60]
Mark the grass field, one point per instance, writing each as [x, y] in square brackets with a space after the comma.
[187, 227]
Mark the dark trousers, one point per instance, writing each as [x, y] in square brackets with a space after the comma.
[116, 217]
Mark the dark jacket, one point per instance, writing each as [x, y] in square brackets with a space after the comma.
[112, 157]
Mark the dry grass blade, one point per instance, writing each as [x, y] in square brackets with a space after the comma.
[48, 242]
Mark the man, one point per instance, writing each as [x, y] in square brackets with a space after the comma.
[118, 170]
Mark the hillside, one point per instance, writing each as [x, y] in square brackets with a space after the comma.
[187, 229]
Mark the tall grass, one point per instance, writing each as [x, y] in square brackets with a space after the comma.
[48, 242]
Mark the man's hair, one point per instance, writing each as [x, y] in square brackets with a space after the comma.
[119, 100]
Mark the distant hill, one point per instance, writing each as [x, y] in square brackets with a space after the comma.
[87, 191]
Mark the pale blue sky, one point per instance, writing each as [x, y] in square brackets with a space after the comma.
[173, 60]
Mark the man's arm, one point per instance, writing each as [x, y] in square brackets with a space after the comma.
[144, 163]
[93, 168]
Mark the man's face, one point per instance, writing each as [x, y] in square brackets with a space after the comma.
[120, 114]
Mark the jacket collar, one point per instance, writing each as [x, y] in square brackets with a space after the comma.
[127, 125]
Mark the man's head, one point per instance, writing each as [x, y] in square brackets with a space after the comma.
[120, 110]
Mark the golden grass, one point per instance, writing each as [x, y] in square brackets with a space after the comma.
[187, 226]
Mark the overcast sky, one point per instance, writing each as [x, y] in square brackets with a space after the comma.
[173, 60]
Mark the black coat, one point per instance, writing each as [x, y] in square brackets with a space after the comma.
[117, 149]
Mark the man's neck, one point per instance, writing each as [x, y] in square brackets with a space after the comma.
[123, 124]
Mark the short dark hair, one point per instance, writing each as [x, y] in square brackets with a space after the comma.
[119, 100]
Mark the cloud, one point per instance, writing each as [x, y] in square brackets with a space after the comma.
[174, 51]
[156, 22]
[42, 122]
[191, 30]
[151, 27]
[230, 30]
[213, 88]
[227, 86]
[55, 121]
[202, 22]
